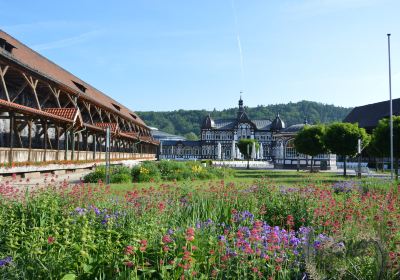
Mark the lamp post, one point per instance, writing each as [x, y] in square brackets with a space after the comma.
[391, 111]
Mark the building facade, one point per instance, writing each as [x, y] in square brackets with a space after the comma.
[218, 138]
[286, 156]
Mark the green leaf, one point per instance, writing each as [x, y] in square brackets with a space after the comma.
[69, 276]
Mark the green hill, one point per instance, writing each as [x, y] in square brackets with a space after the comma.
[183, 122]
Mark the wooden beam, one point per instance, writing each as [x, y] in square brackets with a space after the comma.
[56, 92]
[33, 83]
[3, 82]
[19, 91]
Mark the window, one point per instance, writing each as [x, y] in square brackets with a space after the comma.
[133, 115]
[6, 46]
[116, 106]
[80, 86]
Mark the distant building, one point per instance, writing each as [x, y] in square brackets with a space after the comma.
[286, 156]
[368, 116]
[218, 138]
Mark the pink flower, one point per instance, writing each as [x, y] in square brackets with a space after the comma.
[50, 240]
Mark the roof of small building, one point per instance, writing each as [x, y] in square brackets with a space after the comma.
[277, 124]
[28, 58]
[161, 135]
[368, 116]
[293, 128]
[189, 143]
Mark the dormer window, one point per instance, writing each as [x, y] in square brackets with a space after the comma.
[80, 86]
[133, 116]
[116, 106]
[6, 46]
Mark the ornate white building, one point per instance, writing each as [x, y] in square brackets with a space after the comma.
[219, 138]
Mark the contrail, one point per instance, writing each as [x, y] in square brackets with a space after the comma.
[239, 44]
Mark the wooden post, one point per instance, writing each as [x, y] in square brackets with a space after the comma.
[12, 122]
[66, 132]
[29, 139]
[45, 140]
[94, 145]
[72, 145]
[87, 144]
[58, 141]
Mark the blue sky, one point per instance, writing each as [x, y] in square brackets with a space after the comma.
[168, 55]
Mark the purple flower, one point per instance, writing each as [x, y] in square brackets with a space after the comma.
[5, 261]
[80, 211]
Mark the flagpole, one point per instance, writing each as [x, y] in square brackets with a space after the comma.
[391, 112]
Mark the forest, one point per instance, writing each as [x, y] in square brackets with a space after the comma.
[188, 122]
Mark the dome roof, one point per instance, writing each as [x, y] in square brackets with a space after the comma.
[277, 124]
[208, 122]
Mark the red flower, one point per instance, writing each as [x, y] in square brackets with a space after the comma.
[129, 250]
[50, 240]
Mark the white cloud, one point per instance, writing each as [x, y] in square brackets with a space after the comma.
[66, 42]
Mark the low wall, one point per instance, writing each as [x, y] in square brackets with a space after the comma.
[38, 155]
[37, 159]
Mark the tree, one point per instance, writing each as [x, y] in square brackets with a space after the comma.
[342, 139]
[309, 141]
[191, 136]
[246, 147]
[380, 143]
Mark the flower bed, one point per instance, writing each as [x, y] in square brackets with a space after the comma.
[210, 231]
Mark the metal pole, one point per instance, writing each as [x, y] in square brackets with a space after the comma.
[391, 112]
[359, 159]
[108, 155]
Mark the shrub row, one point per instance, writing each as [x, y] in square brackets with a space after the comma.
[157, 171]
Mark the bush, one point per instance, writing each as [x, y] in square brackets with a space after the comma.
[99, 174]
[146, 172]
[118, 174]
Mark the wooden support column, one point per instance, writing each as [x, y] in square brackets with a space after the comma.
[12, 124]
[3, 72]
[66, 136]
[94, 145]
[57, 142]
[29, 139]
[72, 145]
[45, 138]
[87, 144]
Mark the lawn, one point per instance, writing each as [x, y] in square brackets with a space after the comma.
[254, 225]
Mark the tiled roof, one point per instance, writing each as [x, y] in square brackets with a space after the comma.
[35, 62]
[113, 126]
[68, 113]
[262, 124]
[225, 123]
[368, 116]
[32, 111]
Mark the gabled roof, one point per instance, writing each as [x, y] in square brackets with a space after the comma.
[368, 116]
[262, 124]
[72, 114]
[32, 111]
[37, 63]
[225, 123]
[113, 126]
